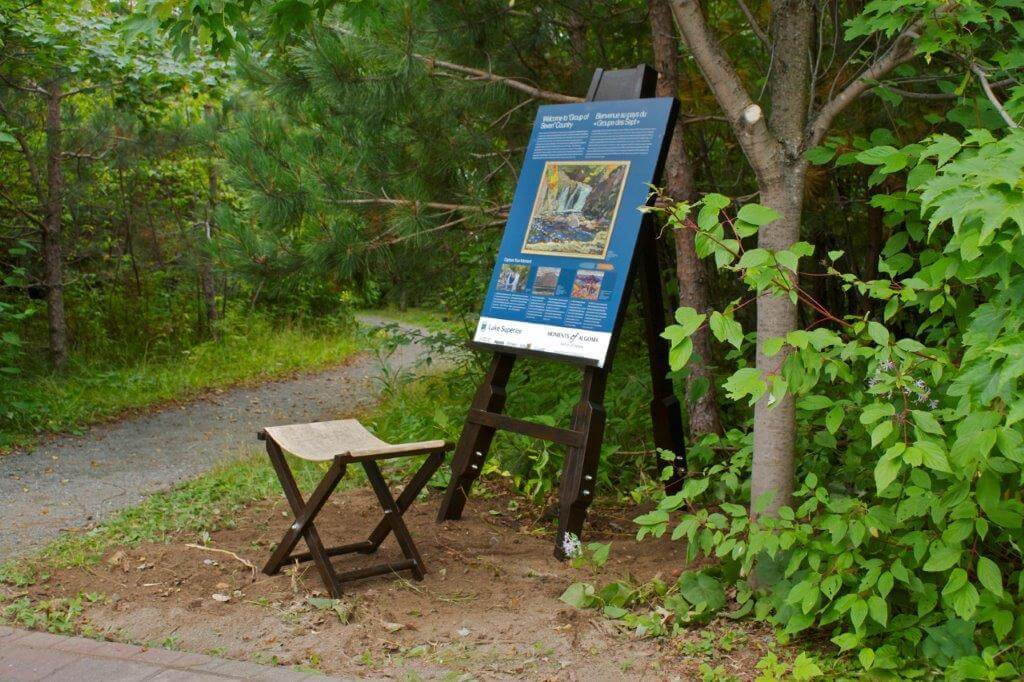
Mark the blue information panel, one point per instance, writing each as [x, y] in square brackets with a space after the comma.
[573, 227]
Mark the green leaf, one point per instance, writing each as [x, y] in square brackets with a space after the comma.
[886, 471]
[990, 576]
[880, 432]
[744, 382]
[753, 258]
[941, 558]
[834, 419]
[1002, 623]
[580, 595]
[679, 354]
[858, 612]
[689, 320]
[927, 423]
[878, 333]
[726, 329]
[804, 668]
[878, 609]
[614, 612]
[820, 155]
[965, 601]
[702, 591]
[876, 156]
[934, 456]
[884, 584]
[847, 640]
[756, 214]
[876, 411]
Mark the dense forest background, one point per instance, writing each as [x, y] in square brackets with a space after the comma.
[841, 215]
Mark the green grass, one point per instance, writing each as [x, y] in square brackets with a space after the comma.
[92, 391]
[429, 319]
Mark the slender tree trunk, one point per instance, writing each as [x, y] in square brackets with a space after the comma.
[691, 273]
[775, 424]
[53, 266]
[206, 277]
[782, 188]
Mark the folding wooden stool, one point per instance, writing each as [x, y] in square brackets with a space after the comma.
[344, 442]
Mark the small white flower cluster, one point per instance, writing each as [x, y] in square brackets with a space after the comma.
[571, 546]
[923, 394]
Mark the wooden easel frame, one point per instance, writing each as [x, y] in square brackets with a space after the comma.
[586, 433]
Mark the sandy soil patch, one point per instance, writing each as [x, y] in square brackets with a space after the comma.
[488, 608]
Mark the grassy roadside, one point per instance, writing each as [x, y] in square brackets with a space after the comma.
[94, 391]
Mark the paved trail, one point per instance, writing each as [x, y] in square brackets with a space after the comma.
[73, 481]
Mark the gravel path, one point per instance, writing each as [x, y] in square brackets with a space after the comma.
[73, 481]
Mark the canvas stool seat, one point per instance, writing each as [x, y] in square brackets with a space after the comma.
[343, 442]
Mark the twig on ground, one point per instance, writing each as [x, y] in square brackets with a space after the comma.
[245, 562]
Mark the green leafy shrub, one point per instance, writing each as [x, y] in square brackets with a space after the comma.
[903, 538]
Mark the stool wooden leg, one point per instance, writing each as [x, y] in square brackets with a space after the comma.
[408, 496]
[304, 515]
[393, 517]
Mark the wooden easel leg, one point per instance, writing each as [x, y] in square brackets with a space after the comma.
[666, 414]
[579, 473]
[475, 441]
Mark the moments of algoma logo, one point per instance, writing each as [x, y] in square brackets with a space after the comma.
[573, 337]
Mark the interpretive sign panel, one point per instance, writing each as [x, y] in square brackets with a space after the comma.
[565, 257]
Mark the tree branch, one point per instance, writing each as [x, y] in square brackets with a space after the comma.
[18, 209]
[26, 151]
[754, 26]
[902, 50]
[31, 87]
[987, 87]
[743, 114]
[416, 205]
[480, 74]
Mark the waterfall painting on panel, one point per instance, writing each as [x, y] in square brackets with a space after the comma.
[575, 209]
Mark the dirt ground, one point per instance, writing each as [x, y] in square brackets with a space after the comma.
[488, 609]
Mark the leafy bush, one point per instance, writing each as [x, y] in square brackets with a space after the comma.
[903, 539]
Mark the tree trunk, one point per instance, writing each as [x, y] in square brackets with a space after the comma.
[53, 267]
[775, 424]
[690, 271]
[205, 257]
[782, 188]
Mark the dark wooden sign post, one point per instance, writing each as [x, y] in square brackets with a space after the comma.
[586, 433]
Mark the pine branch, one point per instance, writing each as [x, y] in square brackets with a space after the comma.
[480, 74]
[417, 205]
[20, 210]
